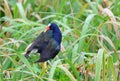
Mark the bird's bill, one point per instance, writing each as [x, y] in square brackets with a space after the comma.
[48, 28]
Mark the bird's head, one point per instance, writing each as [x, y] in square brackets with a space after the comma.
[57, 35]
[52, 26]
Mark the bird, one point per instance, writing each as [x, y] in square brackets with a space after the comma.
[47, 44]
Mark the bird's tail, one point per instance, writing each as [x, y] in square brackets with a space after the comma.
[27, 54]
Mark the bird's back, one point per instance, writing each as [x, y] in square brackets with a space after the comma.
[40, 42]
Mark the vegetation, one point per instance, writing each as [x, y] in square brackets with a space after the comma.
[90, 44]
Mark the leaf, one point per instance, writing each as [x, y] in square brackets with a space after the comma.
[113, 20]
[111, 66]
[21, 10]
[74, 70]
[84, 31]
[67, 72]
[98, 64]
[52, 70]
[93, 6]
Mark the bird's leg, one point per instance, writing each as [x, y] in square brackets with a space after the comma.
[43, 65]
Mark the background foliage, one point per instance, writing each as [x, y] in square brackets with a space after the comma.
[91, 39]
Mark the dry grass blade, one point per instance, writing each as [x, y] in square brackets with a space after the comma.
[113, 20]
[90, 41]
[62, 48]
[8, 13]
[7, 9]
[108, 40]
[111, 43]
[1, 41]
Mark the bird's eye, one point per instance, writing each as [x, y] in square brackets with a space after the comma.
[49, 25]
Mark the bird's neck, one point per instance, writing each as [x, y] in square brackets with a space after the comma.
[57, 36]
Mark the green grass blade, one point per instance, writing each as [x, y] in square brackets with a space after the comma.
[24, 60]
[21, 10]
[84, 31]
[98, 64]
[111, 66]
[74, 70]
[62, 5]
[52, 70]
[67, 72]
[15, 12]
[94, 8]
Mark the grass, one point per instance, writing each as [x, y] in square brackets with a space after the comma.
[91, 40]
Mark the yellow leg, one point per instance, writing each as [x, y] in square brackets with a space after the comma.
[43, 65]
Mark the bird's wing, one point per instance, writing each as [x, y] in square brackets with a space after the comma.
[44, 36]
[40, 42]
[50, 51]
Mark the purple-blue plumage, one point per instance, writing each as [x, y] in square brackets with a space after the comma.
[47, 43]
[56, 33]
